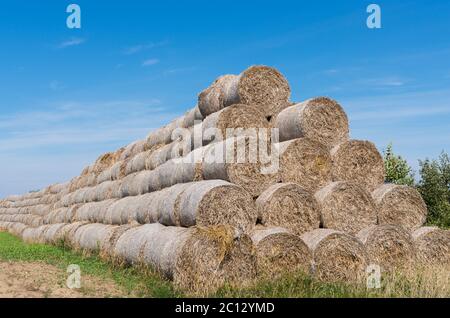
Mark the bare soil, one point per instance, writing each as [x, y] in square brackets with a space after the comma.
[39, 280]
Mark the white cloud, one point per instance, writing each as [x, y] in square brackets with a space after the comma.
[71, 42]
[150, 62]
[77, 123]
[179, 70]
[142, 47]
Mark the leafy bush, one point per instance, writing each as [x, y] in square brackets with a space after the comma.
[433, 185]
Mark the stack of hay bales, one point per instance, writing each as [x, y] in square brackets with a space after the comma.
[175, 202]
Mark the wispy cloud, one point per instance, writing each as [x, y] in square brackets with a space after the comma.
[92, 123]
[399, 113]
[150, 62]
[381, 82]
[142, 47]
[179, 70]
[71, 42]
[331, 71]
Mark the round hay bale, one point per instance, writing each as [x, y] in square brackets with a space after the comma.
[258, 85]
[50, 234]
[110, 242]
[35, 235]
[211, 100]
[239, 267]
[132, 149]
[289, 206]
[128, 186]
[401, 205]
[168, 213]
[158, 157]
[230, 122]
[91, 237]
[337, 256]
[358, 161]
[304, 162]
[129, 245]
[93, 211]
[432, 245]
[280, 252]
[103, 162]
[67, 233]
[147, 206]
[120, 212]
[388, 246]
[137, 163]
[147, 181]
[104, 191]
[236, 160]
[215, 202]
[105, 175]
[200, 256]
[116, 170]
[182, 170]
[191, 117]
[320, 119]
[17, 229]
[347, 207]
[64, 233]
[161, 136]
[55, 216]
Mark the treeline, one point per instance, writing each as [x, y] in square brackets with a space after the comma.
[433, 182]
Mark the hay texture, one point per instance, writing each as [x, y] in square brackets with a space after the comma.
[289, 206]
[337, 256]
[236, 160]
[321, 119]
[347, 207]
[215, 202]
[304, 162]
[432, 245]
[238, 119]
[211, 257]
[388, 246]
[280, 252]
[92, 237]
[203, 203]
[259, 85]
[401, 205]
[358, 161]
[193, 257]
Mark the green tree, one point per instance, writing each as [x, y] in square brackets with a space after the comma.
[397, 169]
[435, 189]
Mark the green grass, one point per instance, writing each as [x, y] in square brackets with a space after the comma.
[138, 282]
[135, 282]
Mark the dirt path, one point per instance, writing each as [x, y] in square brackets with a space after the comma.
[38, 280]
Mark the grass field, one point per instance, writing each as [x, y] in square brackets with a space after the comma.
[429, 282]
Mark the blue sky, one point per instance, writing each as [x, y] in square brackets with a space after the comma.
[67, 96]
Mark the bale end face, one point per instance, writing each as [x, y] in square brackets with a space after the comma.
[347, 207]
[203, 264]
[289, 206]
[388, 246]
[400, 205]
[433, 245]
[337, 256]
[358, 161]
[279, 252]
